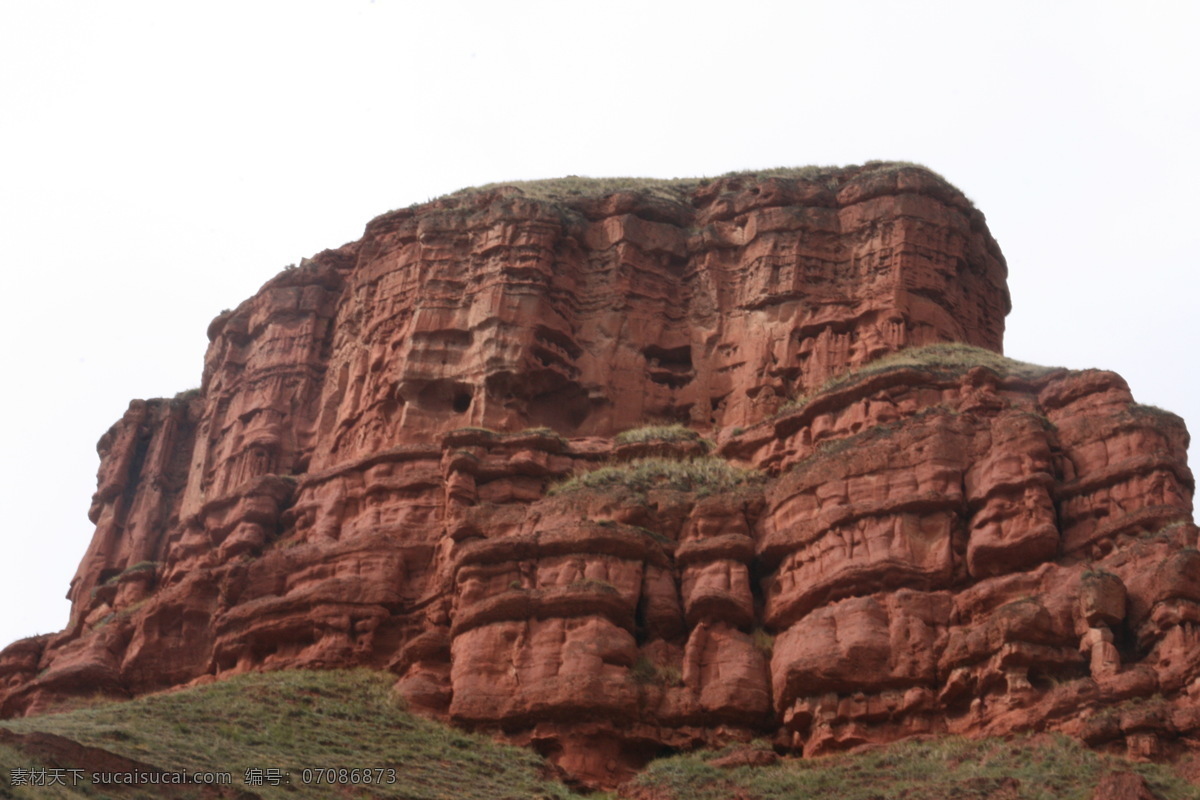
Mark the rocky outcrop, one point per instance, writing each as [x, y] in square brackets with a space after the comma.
[851, 521]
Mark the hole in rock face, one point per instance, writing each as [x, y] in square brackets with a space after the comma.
[673, 358]
[544, 397]
[442, 396]
[669, 366]
[564, 408]
[549, 749]
[558, 340]
[672, 380]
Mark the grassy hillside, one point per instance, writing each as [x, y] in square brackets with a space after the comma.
[1025, 768]
[297, 721]
[292, 721]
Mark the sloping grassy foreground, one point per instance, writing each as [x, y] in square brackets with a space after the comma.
[297, 720]
[293, 720]
[1039, 767]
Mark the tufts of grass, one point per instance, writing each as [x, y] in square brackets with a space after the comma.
[703, 476]
[604, 587]
[303, 719]
[494, 434]
[765, 642]
[956, 357]
[539, 431]
[1024, 768]
[655, 535]
[1156, 413]
[141, 566]
[295, 720]
[575, 186]
[657, 433]
[675, 189]
[949, 358]
[645, 672]
[475, 429]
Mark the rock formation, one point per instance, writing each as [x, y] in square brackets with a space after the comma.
[425, 452]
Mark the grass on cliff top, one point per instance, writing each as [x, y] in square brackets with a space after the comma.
[294, 720]
[575, 186]
[1024, 768]
[703, 476]
[950, 358]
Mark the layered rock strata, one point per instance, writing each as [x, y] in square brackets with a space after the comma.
[423, 452]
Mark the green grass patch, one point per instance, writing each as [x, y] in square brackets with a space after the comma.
[543, 432]
[303, 719]
[675, 189]
[1024, 768]
[657, 433]
[765, 642]
[1156, 413]
[645, 672]
[297, 720]
[141, 566]
[539, 431]
[949, 359]
[703, 476]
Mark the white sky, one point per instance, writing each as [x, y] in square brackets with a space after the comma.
[159, 161]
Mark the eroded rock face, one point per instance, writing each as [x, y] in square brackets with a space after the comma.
[935, 540]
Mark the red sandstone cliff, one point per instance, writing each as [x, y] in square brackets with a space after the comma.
[933, 539]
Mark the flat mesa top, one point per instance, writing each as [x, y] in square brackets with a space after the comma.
[574, 187]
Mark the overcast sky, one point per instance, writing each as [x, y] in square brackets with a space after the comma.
[160, 161]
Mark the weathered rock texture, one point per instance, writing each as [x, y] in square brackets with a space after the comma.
[940, 540]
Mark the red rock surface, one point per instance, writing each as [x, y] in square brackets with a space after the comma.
[939, 540]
